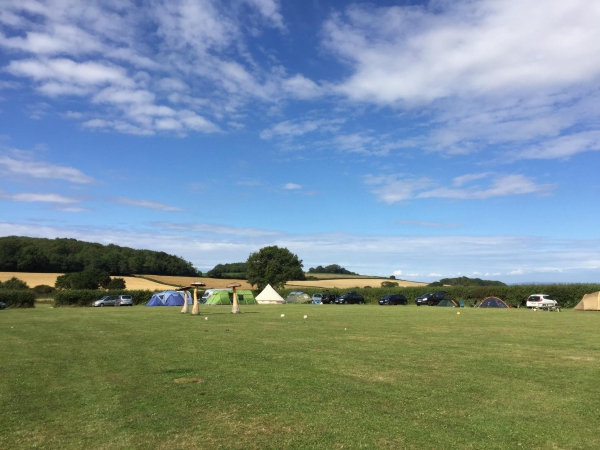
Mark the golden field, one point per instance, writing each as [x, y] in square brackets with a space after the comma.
[211, 283]
[35, 279]
[345, 283]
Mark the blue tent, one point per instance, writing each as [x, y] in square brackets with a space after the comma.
[167, 298]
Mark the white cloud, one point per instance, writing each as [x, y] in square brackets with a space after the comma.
[199, 59]
[517, 272]
[397, 273]
[28, 197]
[487, 73]
[42, 169]
[298, 128]
[392, 189]
[292, 186]
[146, 204]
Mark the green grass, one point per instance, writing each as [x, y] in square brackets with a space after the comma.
[349, 377]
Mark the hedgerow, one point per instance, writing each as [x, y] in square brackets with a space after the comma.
[22, 298]
[567, 295]
[85, 297]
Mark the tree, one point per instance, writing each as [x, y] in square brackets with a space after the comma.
[275, 266]
[14, 284]
[116, 283]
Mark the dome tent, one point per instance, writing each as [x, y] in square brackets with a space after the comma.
[298, 297]
[166, 298]
[492, 302]
[589, 302]
[269, 296]
[225, 297]
[447, 302]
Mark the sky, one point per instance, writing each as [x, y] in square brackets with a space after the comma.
[416, 139]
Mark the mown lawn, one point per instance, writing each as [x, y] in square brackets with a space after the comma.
[348, 377]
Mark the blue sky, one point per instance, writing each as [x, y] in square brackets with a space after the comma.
[424, 140]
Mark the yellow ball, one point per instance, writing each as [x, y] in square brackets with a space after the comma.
[458, 313]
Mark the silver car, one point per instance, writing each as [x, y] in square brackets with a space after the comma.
[107, 300]
[124, 300]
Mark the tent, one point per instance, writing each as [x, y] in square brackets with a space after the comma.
[492, 302]
[447, 302]
[245, 297]
[269, 296]
[589, 302]
[167, 298]
[298, 297]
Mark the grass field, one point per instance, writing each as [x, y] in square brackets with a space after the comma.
[348, 377]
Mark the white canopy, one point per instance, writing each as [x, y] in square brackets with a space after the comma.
[269, 296]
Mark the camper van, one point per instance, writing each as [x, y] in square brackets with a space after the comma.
[209, 292]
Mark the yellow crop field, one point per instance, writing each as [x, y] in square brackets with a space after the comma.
[35, 279]
[345, 283]
[211, 283]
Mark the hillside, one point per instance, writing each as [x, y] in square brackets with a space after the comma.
[26, 254]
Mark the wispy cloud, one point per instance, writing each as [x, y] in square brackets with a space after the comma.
[291, 128]
[199, 72]
[211, 228]
[28, 197]
[487, 73]
[148, 204]
[292, 186]
[42, 169]
[392, 189]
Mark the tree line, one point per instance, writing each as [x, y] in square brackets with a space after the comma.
[26, 254]
[332, 268]
[466, 281]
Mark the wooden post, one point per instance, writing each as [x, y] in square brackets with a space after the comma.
[184, 310]
[195, 310]
[236, 307]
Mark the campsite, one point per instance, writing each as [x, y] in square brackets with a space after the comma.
[344, 377]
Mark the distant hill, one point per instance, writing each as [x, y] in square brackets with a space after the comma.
[332, 268]
[466, 281]
[26, 254]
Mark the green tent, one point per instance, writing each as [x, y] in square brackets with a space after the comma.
[245, 297]
[447, 302]
[298, 297]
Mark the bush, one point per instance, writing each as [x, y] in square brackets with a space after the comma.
[14, 284]
[389, 284]
[18, 298]
[116, 283]
[85, 297]
[43, 289]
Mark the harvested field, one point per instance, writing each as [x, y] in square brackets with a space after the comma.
[35, 279]
[345, 283]
[211, 283]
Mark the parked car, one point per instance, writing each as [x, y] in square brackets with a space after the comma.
[540, 301]
[317, 298]
[107, 300]
[328, 298]
[350, 297]
[2, 305]
[124, 300]
[393, 299]
[431, 299]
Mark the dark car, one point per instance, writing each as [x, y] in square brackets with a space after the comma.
[350, 297]
[2, 305]
[328, 298]
[431, 299]
[393, 299]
